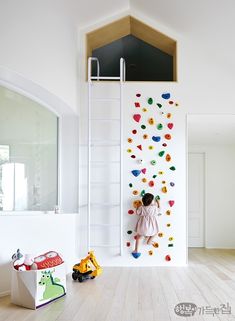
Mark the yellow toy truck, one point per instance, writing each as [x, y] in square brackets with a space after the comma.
[83, 271]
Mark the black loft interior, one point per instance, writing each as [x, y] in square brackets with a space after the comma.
[143, 61]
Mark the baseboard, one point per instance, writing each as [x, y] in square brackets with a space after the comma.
[219, 248]
[5, 293]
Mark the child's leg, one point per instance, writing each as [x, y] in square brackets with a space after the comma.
[151, 238]
[137, 241]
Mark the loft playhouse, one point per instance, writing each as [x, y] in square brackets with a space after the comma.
[132, 143]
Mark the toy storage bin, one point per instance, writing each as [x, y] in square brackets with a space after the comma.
[35, 288]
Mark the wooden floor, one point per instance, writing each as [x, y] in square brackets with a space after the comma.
[143, 294]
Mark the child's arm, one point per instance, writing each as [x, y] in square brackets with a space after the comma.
[158, 204]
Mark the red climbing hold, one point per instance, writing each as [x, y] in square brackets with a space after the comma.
[128, 244]
[143, 170]
[168, 136]
[132, 156]
[168, 258]
[137, 117]
[130, 212]
[138, 95]
[171, 203]
[134, 131]
[139, 146]
[170, 125]
[137, 104]
[171, 102]
[151, 183]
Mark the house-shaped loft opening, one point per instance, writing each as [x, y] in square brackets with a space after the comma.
[149, 54]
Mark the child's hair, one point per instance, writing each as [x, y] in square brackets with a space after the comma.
[147, 199]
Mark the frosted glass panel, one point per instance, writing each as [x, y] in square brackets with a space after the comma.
[28, 154]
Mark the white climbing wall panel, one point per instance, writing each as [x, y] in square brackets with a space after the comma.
[175, 147]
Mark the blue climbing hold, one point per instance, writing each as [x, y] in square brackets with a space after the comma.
[156, 138]
[136, 255]
[166, 96]
[136, 172]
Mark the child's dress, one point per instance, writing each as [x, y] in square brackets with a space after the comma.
[147, 221]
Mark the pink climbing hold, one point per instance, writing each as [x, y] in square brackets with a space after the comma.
[170, 125]
[171, 203]
[137, 117]
[139, 146]
[143, 170]
[137, 104]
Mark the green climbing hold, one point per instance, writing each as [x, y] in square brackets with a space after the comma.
[150, 101]
[157, 198]
[130, 185]
[143, 126]
[142, 193]
[159, 105]
[129, 232]
[170, 245]
[161, 153]
[153, 162]
[172, 168]
[154, 176]
[159, 126]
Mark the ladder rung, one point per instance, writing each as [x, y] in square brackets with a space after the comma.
[104, 77]
[105, 99]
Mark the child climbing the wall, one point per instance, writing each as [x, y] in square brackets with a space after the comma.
[147, 225]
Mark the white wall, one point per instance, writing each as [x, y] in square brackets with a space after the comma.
[219, 194]
[35, 234]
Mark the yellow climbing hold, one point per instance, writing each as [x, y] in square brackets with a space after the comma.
[171, 238]
[160, 234]
[160, 172]
[144, 110]
[168, 212]
[164, 189]
[168, 224]
[151, 121]
[144, 180]
[163, 182]
[129, 150]
[151, 147]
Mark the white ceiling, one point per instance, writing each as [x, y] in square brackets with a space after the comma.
[211, 129]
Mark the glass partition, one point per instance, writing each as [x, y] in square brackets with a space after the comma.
[28, 154]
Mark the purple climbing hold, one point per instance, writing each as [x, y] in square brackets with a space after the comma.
[172, 184]
[166, 96]
[136, 172]
[156, 138]
[136, 255]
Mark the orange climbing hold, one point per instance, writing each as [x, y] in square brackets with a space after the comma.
[168, 212]
[145, 136]
[164, 189]
[156, 245]
[151, 121]
[137, 203]
[168, 136]
[160, 234]
[168, 115]
[135, 192]
[130, 140]
[144, 180]
[168, 157]
[150, 252]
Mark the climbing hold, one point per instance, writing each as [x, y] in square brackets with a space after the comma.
[140, 161]
[139, 146]
[167, 258]
[156, 245]
[172, 184]
[166, 96]
[151, 147]
[136, 172]
[138, 95]
[129, 232]
[150, 101]
[168, 136]
[135, 192]
[176, 104]
[133, 156]
[137, 117]
[150, 252]
[171, 203]
[170, 125]
[168, 157]
[160, 234]
[128, 244]
[168, 212]
[161, 153]
[156, 138]
[159, 105]
[137, 204]
[159, 126]
[136, 255]
[153, 162]
[151, 183]
[170, 245]
[143, 126]
[145, 136]
[129, 150]
[172, 168]
[142, 193]
[144, 110]
[171, 102]
[143, 170]
[130, 185]
[160, 172]
[171, 238]
[151, 121]
[130, 140]
[130, 212]
[134, 131]
[168, 115]
[168, 224]
[137, 104]
[154, 176]
[163, 182]
[164, 144]
[135, 237]
[164, 189]
[157, 198]
[144, 180]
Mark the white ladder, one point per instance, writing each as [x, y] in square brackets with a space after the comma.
[121, 79]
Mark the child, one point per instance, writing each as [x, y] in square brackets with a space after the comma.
[147, 222]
